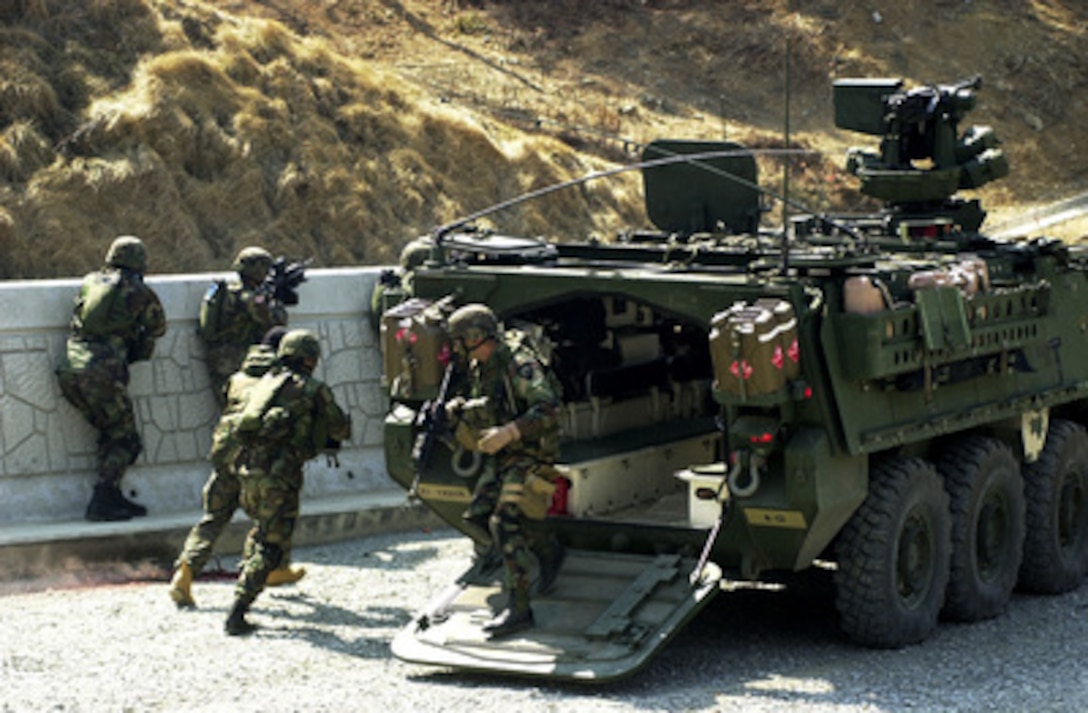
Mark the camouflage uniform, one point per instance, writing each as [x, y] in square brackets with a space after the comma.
[393, 287]
[220, 495]
[524, 398]
[289, 418]
[116, 321]
[245, 314]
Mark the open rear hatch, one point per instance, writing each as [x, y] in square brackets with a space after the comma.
[607, 614]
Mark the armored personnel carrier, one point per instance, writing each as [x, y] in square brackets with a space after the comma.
[893, 396]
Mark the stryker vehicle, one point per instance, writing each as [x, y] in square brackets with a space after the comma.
[891, 396]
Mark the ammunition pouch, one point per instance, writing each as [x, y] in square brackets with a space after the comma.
[536, 496]
[275, 424]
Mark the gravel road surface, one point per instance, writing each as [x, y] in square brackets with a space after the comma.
[112, 641]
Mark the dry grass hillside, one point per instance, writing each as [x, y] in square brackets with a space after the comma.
[339, 129]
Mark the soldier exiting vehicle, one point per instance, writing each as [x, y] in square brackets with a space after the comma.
[523, 437]
[236, 314]
[289, 417]
[116, 321]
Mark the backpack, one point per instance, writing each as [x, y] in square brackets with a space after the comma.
[99, 295]
[211, 311]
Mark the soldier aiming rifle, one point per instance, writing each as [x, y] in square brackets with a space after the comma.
[236, 314]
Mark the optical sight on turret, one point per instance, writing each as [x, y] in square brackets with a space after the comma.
[923, 158]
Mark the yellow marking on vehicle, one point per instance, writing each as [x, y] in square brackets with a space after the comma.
[767, 517]
[444, 493]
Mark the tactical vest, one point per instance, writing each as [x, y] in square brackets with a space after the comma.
[102, 312]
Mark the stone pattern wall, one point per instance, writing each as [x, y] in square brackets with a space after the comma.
[47, 466]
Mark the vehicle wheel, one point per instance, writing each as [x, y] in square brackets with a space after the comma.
[986, 496]
[893, 557]
[1056, 487]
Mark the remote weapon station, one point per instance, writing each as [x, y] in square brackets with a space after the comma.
[893, 396]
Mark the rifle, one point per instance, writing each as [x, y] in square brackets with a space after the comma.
[433, 426]
[284, 278]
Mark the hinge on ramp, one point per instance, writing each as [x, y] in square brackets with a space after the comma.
[617, 617]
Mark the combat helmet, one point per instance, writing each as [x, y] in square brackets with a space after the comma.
[298, 346]
[415, 253]
[473, 324]
[253, 263]
[127, 251]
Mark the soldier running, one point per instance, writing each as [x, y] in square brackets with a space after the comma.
[289, 417]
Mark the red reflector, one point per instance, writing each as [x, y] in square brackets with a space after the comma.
[559, 497]
[762, 438]
[808, 392]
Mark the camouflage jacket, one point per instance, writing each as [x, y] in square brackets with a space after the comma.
[244, 315]
[116, 320]
[519, 387]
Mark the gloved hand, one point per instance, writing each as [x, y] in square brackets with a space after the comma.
[495, 439]
[454, 406]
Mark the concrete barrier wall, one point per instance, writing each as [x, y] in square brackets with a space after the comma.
[47, 471]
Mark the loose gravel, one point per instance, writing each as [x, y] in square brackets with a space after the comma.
[76, 644]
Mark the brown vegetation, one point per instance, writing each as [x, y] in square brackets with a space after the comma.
[339, 129]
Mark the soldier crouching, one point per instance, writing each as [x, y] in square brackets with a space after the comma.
[116, 320]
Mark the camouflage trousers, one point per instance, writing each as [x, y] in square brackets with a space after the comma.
[105, 403]
[498, 492]
[221, 497]
[271, 497]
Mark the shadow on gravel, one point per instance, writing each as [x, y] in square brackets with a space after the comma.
[301, 617]
[310, 609]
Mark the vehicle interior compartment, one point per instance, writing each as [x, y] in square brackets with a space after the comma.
[637, 408]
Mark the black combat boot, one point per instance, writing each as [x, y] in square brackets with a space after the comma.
[106, 505]
[134, 509]
[551, 559]
[236, 623]
[515, 617]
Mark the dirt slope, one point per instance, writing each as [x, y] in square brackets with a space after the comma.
[340, 129]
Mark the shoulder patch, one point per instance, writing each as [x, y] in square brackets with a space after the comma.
[526, 370]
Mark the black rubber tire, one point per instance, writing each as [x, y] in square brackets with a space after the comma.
[1056, 487]
[893, 556]
[986, 499]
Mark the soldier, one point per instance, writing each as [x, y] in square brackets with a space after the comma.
[523, 398]
[289, 417]
[116, 321]
[220, 495]
[395, 286]
[235, 315]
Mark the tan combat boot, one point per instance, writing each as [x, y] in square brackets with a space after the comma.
[180, 585]
[285, 575]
